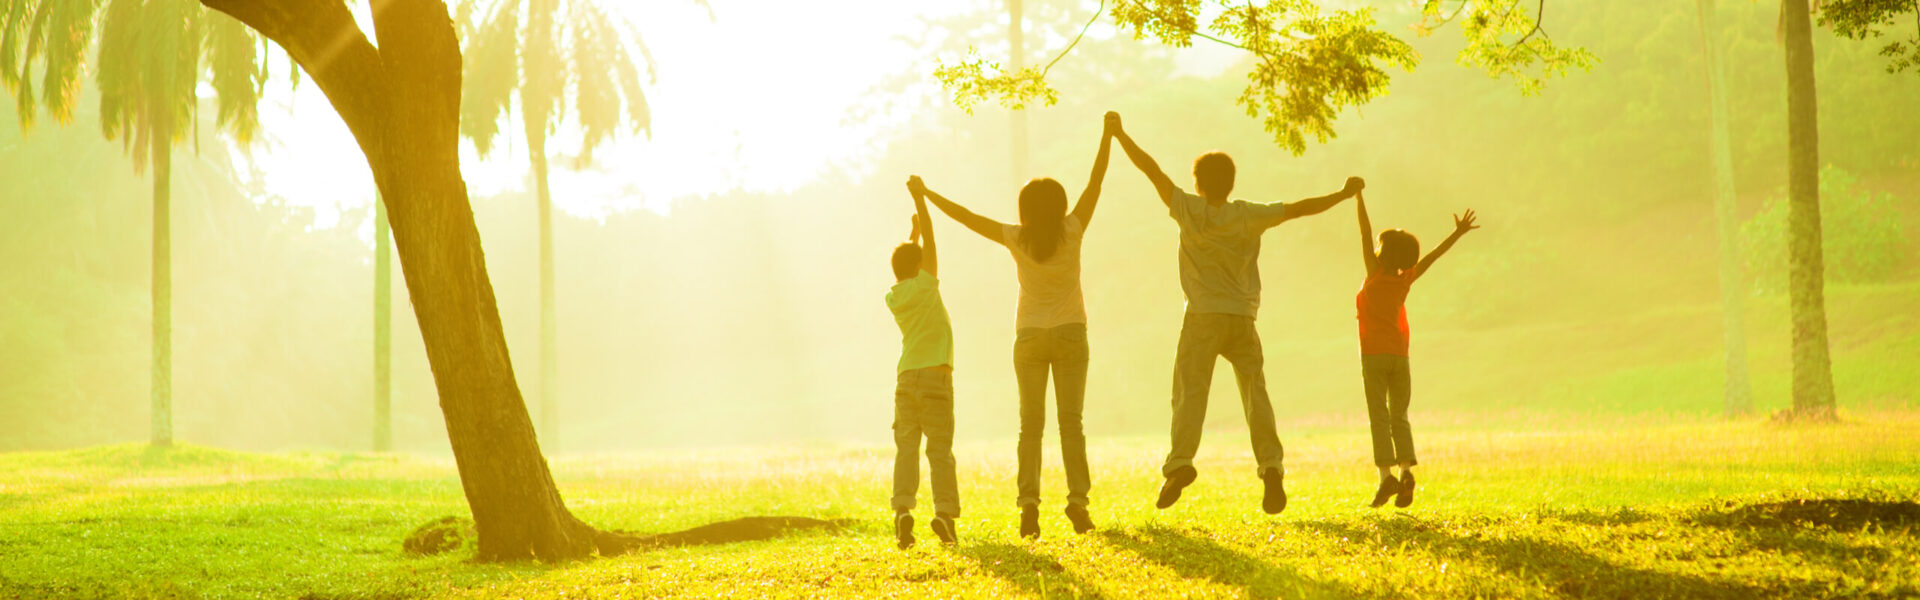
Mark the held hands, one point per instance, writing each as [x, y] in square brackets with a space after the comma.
[1464, 223]
[915, 186]
[1112, 128]
[1354, 186]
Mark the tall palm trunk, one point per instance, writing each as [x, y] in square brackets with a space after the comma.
[536, 100]
[1738, 391]
[160, 142]
[382, 329]
[1812, 366]
[1016, 40]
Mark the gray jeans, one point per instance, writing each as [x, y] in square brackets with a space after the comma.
[1389, 389]
[923, 407]
[1063, 349]
[1203, 337]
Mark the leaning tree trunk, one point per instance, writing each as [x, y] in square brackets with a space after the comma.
[160, 144]
[382, 329]
[1738, 390]
[1806, 282]
[401, 101]
[537, 91]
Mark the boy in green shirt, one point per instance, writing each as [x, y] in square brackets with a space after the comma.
[923, 396]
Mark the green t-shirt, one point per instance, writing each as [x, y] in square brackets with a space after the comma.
[926, 337]
[1220, 252]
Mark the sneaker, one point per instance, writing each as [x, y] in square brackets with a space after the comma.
[1389, 487]
[1275, 499]
[1178, 480]
[903, 529]
[1030, 521]
[943, 527]
[1078, 515]
[1406, 490]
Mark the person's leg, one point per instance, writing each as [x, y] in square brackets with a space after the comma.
[1374, 371]
[1242, 349]
[937, 422]
[1070, 393]
[1192, 376]
[1399, 384]
[1030, 363]
[906, 442]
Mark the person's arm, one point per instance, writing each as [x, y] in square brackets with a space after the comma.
[1314, 206]
[1366, 237]
[923, 228]
[1083, 209]
[1161, 183]
[986, 227]
[1461, 225]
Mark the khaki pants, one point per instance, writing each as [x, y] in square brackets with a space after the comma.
[923, 407]
[1203, 337]
[1063, 350]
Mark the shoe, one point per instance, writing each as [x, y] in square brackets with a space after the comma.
[1389, 487]
[1030, 522]
[903, 529]
[1275, 500]
[1406, 490]
[1078, 515]
[1178, 480]
[943, 527]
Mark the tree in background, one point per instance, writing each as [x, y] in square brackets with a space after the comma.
[1017, 55]
[154, 55]
[1737, 391]
[382, 328]
[1806, 285]
[551, 51]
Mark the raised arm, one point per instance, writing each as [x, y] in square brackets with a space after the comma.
[1314, 206]
[1366, 236]
[1083, 209]
[1161, 184]
[923, 228]
[986, 227]
[1461, 225]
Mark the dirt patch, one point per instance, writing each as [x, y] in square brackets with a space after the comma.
[444, 535]
[1838, 514]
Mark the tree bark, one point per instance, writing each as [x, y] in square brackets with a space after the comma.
[1737, 392]
[382, 329]
[401, 101]
[536, 100]
[160, 144]
[1806, 279]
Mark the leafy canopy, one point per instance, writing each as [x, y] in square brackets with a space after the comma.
[1862, 19]
[1309, 62]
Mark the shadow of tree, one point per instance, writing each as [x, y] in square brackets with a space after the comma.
[1037, 574]
[1195, 557]
[1840, 514]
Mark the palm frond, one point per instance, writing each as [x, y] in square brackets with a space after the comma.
[233, 58]
[69, 37]
[492, 74]
[594, 50]
[13, 25]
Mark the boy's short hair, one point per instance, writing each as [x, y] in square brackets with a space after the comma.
[1399, 250]
[906, 261]
[1213, 173]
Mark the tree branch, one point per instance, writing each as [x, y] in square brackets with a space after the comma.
[1539, 16]
[321, 36]
[1083, 33]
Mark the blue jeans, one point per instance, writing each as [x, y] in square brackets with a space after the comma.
[1063, 350]
[1204, 337]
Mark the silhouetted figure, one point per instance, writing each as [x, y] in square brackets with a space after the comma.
[1050, 326]
[1382, 308]
[1220, 274]
[923, 396]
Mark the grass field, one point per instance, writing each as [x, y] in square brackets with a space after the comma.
[1513, 506]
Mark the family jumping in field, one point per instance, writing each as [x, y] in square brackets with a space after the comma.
[1220, 276]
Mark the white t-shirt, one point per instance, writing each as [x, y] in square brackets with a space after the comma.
[1049, 290]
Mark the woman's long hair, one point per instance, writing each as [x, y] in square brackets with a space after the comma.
[1043, 214]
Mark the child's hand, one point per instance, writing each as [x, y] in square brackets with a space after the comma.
[915, 233]
[1355, 185]
[1464, 224]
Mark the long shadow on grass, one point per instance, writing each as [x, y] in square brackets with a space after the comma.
[1566, 569]
[1195, 557]
[1791, 526]
[1037, 574]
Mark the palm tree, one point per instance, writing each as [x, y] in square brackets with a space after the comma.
[1737, 392]
[153, 56]
[551, 51]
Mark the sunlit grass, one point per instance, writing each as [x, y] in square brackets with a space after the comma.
[1521, 505]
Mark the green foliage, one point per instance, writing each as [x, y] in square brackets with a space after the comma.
[1861, 237]
[1674, 507]
[1530, 59]
[1862, 19]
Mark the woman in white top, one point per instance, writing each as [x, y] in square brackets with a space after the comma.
[1052, 326]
